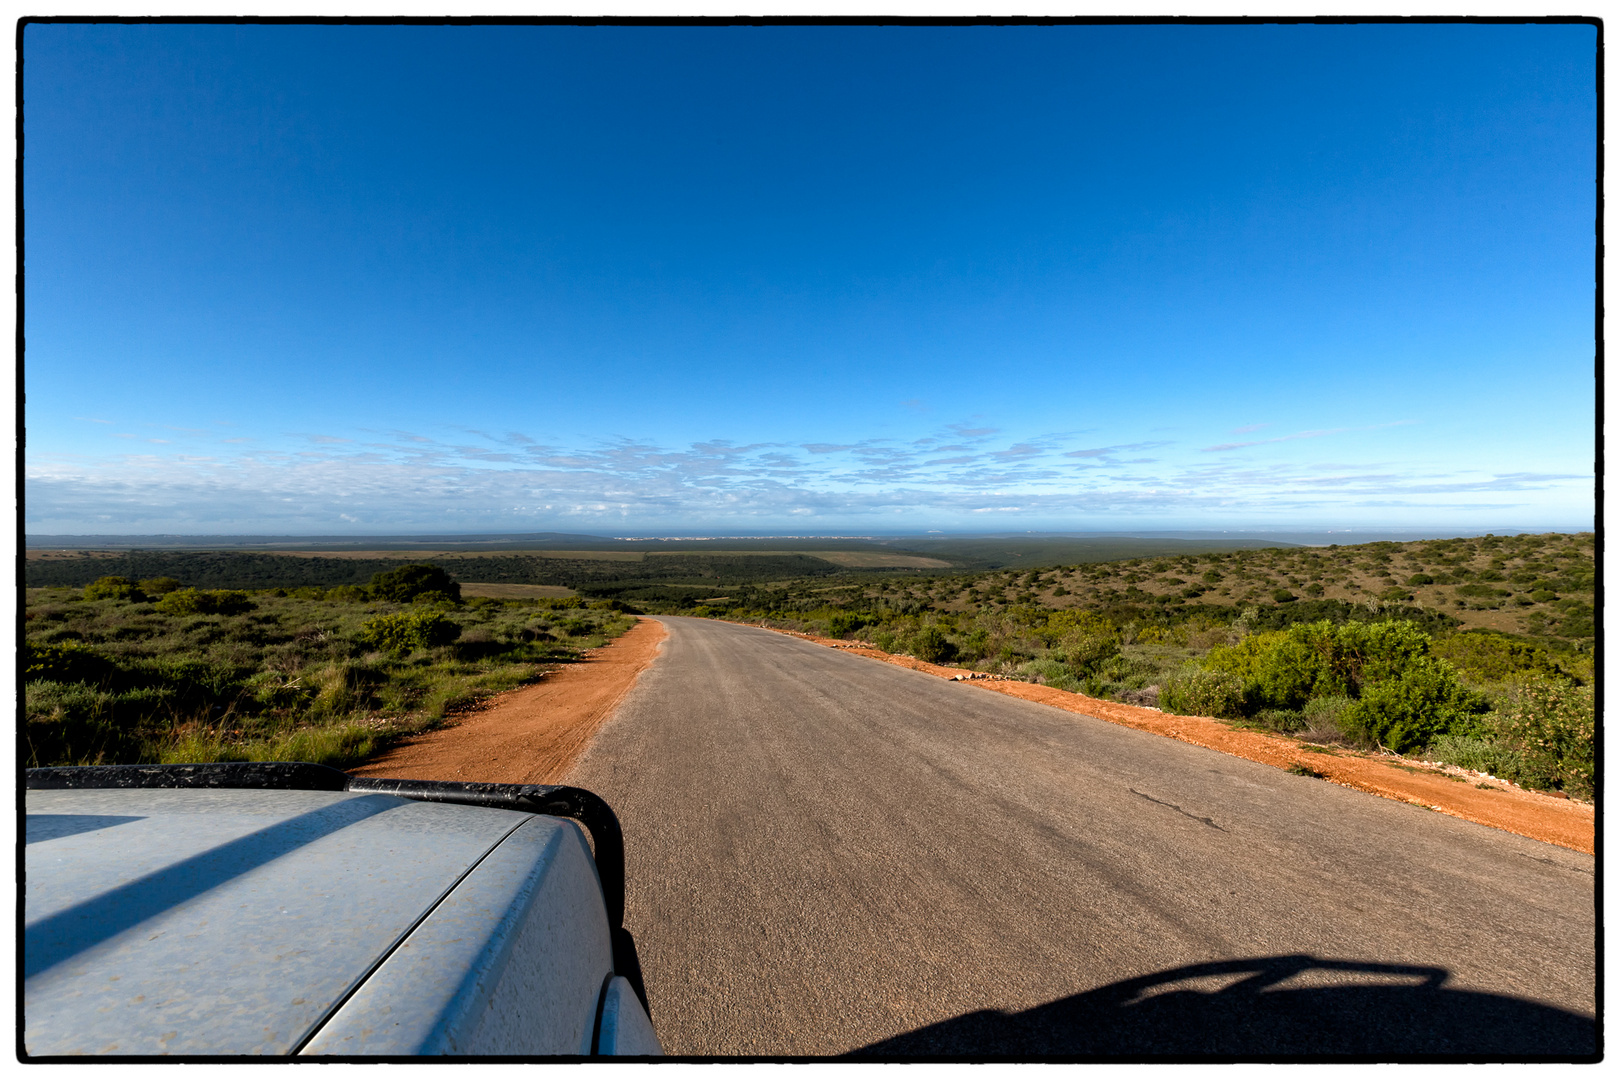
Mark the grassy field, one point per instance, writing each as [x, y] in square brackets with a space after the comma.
[328, 676]
[515, 592]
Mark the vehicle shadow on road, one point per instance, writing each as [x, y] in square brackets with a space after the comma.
[1237, 1010]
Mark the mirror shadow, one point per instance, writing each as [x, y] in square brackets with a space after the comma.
[1340, 1009]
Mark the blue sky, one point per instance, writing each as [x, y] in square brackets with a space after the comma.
[801, 279]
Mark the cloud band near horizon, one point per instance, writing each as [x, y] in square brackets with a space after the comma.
[405, 481]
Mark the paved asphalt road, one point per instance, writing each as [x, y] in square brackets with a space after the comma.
[831, 855]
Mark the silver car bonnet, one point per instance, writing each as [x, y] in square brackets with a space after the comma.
[224, 921]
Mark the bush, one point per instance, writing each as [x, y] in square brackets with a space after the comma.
[1323, 718]
[1408, 712]
[1048, 672]
[78, 724]
[205, 602]
[403, 584]
[845, 623]
[974, 644]
[930, 645]
[345, 594]
[113, 588]
[62, 663]
[1479, 754]
[157, 586]
[1198, 692]
[1490, 657]
[1339, 611]
[1553, 726]
[1087, 653]
[1083, 640]
[1283, 720]
[413, 630]
[1283, 669]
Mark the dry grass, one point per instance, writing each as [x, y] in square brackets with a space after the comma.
[515, 592]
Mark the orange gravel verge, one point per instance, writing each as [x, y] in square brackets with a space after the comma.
[1450, 791]
[534, 734]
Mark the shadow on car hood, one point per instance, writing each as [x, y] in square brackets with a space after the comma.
[223, 921]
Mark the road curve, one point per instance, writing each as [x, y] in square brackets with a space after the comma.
[829, 855]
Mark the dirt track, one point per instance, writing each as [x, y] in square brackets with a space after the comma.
[532, 735]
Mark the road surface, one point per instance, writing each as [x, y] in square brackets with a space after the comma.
[829, 855]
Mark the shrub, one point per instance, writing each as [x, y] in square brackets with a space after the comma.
[974, 644]
[930, 645]
[1491, 657]
[337, 688]
[274, 690]
[345, 594]
[112, 588]
[1340, 611]
[1553, 726]
[205, 602]
[1409, 711]
[1323, 718]
[844, 623]
[78, 724]
[407, 631]
[1283, 720]
[1087, 653]
[1048, 672]
[1479, 754]
[1326, 709]
[403, 584]
[1085, 640]
[1198, 692]
[62, 663]
[157, 586]
[1283, 669]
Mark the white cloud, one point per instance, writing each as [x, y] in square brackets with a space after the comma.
[482, 481]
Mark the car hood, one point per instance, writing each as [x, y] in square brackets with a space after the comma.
[162, 921]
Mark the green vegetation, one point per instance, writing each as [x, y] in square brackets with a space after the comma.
[328, 676]
[1434, 646]
[664, 576]
[415, 582]
[197, 601]
[1321, 643]
[401, 633]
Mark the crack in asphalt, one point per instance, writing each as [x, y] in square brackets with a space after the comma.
[1177, 809]
[1555, 862]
